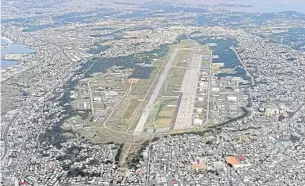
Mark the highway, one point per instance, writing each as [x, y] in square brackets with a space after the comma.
[147, 109]
[5, 144]
[148, 162]
[54, 86]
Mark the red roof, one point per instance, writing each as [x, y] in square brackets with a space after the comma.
[139, 171]
[174, 181]
[240, 157]
[232, 160]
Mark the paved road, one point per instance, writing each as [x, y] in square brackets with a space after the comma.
[22, 165]
[149, 106]
[209, 88]
[91, 96]
[5, 144]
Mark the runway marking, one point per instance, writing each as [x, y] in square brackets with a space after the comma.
[189, 89]
[140, 126]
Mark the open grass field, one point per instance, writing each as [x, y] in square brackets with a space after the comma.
[165, 113]
[173, 84]
[162, 114]
[131, 108]
[120, 125]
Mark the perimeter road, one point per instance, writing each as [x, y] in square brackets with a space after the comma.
[91, 96]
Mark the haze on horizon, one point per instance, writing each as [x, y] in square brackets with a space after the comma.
[270, 5]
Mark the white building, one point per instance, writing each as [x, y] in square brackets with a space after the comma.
[232, 98]
[199, 110]
[271, 109]
[197, 121]
[215, 89]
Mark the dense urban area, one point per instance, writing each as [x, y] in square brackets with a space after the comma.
[151, 93]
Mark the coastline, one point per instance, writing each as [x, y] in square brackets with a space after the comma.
[7, 39]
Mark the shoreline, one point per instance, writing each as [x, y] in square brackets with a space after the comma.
[7, 39]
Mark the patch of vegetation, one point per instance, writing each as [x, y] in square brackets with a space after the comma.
[118, 155]
[131, 108]
[165, 114]
[132, 61]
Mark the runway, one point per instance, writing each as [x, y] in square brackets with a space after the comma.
[147, 109]
[189, 89]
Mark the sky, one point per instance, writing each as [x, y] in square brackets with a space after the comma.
[272, 5]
